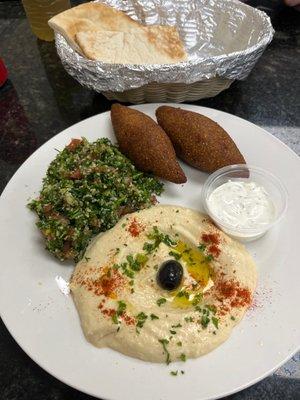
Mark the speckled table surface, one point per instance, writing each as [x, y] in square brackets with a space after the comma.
[40, 99]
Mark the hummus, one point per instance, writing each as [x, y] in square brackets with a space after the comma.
[122, 306]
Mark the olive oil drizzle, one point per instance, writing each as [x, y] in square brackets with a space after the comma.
[198, 266]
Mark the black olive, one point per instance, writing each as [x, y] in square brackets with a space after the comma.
[169, 275]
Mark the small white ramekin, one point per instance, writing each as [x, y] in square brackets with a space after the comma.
[246, 173]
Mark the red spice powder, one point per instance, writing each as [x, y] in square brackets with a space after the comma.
[214, 250]
[231, 294]
[127, 319]
[110, 312]
[108, 283]
[211, 238]
[242, 298]
[135, 228]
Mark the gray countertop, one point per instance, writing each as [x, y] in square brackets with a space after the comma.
[40, 99]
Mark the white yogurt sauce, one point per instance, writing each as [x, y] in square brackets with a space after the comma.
[242, 204]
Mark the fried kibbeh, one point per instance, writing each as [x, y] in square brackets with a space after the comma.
[198, 140]
[145, 143]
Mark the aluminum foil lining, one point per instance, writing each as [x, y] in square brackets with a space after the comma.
[222, 38]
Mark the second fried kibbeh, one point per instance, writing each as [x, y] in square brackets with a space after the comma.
[198, 140]
[145, 143]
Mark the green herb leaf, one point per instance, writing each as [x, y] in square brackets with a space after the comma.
[183, 293]
[115, 318]
[211, 308]
[157, 238]
[175, 254]
[189, 319]
[141, 258]
[179, 344]
[205, 321]
[153, 316]
[164, 343]
[174, 373]
[176, 326]
[161, 301]
[215, 321]
[173, 332]
[209, 258]
[149, 247]
[182, 357]
[121, 307]
[197, 299]
[202, 247]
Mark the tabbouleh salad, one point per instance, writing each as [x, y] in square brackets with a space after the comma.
[87, 188]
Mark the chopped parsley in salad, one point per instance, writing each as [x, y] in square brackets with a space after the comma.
[88, 187]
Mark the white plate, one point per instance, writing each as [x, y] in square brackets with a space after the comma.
[44, 321]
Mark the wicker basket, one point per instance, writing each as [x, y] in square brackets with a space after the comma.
[171, 92]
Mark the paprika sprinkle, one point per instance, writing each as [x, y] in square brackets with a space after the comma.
[135, 228]
[211, 238]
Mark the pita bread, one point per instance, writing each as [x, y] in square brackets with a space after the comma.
[91, 26]
[139, 47]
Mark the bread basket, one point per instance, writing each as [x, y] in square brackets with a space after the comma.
[223, 40]
[171, 92]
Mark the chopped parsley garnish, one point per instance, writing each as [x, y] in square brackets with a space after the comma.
[233, 318]
[197, 299]
[183, 293]
[164, 343]
[182, 357]
[215, 321]
[121, 307]
[150, 247]
[120, 310]
[141, 319]
[115, 318]
[211, 308]
[161, 301]
[173, 332]
[132, 265]
[136, 263]
[153, 316]
[176, 326]
[189, 319]
[179, 344]
[209, 258]
[86, 190]
[205, 321]
[174, 373]
[202, 247]
[157, 238]
[175, 254]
